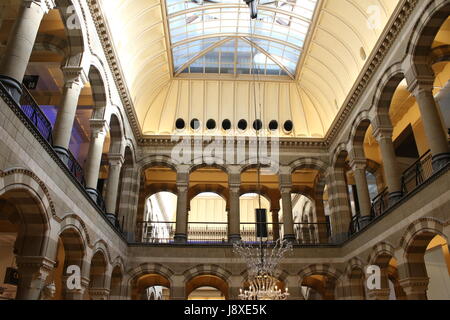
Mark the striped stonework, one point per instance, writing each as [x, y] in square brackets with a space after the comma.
[97, 82]
[358, 133]
[117, 285]
[423, 35]
[161, 276]
[51, 43]
[414, 244]
[200, 275]
[206, 269]
[331, 276]
[99, 277]
[116, 134]
[354, 280]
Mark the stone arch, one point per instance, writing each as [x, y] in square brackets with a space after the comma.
[414, 243]
[116, 132]
[308, 163]
[355, 276]
[207, 275]
[73, 20]
[386, 88]
[252, 163]
[74, 221]
[100, 91]
[440, 54]
[381, 254]
[214, 188]
[158, 160]
[331, 276]
[102, 246]
[163, 277]
[99, 269]
[358, 133]
[339, 156]
[215, 165]
[423, 35]
[51, 43]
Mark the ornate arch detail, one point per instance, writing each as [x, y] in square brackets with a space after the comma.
[158, 160]
[321, 269]
[130, 144]
[428, 224]
[421, 34]
[21, 177]
[118, 262]
[337, 152]
[207, 269]
[216, 165]
[102, 246]
[73, 221]
[384, 251]
[308, 163]
[150, 268]
[353, 263]
[359, 128]
[98, 78]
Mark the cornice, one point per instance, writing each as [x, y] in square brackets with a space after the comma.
[374, 61]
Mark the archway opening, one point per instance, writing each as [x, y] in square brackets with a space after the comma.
[144, 286]
[207, 287]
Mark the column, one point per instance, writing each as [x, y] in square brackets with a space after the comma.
[177, 288]
[415, 288]
[182, 214]
[276, 223]
[33, 271]
[359, 170]
[392, 174]
[94, 157]
[432, 122]
[234, 216]
[74, 79]
[20, 44]
[115, 165]
[286, 202]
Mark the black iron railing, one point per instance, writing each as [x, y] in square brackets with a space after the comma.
[380, 204]
[418, 173]
[33, 112]
[248, 231]
[74, 167]
[207, 232]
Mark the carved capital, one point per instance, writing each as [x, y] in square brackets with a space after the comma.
[74, 76]
[423, 84]
[383, 133]
[115, 159]
[98, 127]
[414, 285]
[358, 164]
[45, 5]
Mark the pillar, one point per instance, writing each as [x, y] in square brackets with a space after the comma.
[432, 122]
[359, 170]
[234, 216]
[112, 187]
[33, 271]
[74, 79]
[94, 157]
[178, 288]
[182, 214]
[20, 44]
[286, 201]
[276, 223]
[392, 174]
[415, 288]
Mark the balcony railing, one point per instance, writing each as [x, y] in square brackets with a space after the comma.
[380, 204]
[33, 112]
[418, 173]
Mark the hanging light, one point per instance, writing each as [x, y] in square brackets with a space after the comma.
[253, 6]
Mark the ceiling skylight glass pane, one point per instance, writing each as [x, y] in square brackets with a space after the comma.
[207, 35]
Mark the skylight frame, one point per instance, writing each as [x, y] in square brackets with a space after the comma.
[286, 41]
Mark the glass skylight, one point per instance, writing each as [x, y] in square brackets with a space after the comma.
[209, 36]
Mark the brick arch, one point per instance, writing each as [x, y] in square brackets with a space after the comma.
[29, 195]
[353, 264]
[332, 275]
[308, 163]
[252, 163]
[422, 37]
[203, 269]
[340, 153]
[116, 131]
[99, 268]
[381, 254]
[100, 90]
[215, 165]
[102, 246]
[74, 244]
[207, 275]
[74, 221]
[265, 192]
[117, 279]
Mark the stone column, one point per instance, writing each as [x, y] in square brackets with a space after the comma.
[276, 223]
[359, 170]
[178, 289]
[415, 288]
[20, 44]
[115, 165]
[94, 157]
[392, 174]
[286, 201]
[74, 81]
[432, 122]
[33, 271]
[182, 214]
[234, 216]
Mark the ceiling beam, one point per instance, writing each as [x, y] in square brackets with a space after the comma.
[201, 54]
[274, 59]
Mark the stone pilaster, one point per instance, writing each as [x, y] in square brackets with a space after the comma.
[182, 205]
[415, 288]
[234, 217]
[115, 166]
[33, 271]
[285, 189]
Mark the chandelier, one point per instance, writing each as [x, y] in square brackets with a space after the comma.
[262, 264]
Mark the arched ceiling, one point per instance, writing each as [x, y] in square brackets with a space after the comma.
[172, 55]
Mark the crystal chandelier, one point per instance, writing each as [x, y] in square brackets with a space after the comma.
[262, 264]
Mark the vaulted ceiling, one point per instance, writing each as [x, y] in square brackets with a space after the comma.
[173, 54]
